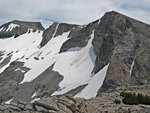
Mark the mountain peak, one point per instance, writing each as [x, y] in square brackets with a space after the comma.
[32, 25]
[16, 28]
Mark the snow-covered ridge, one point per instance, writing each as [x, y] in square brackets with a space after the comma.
[9, 28]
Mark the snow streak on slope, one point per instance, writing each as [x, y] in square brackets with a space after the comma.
[132, 65]
[8, 102]
[130, 72]
[94, 84]
[76, 67]
[1, 29]
[11, 26]
[55, 30]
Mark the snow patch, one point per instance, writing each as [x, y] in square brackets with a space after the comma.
[75, 66]
[36, 99]
[34, 95]
[130, 72]
[1, 29]
[132, 65]
[18, 69]
[11, 45]
[4, 67]
[75, 49]
[39, 66]
[11, 26]
[94, 84]
[8, 102]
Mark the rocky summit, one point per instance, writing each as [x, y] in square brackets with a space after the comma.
[17, 28]
[70, 68]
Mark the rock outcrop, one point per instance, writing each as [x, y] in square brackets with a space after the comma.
[103, 103]
[56, 29]
[10, 79]
[79, 37]
[17, 28]
[42, 86]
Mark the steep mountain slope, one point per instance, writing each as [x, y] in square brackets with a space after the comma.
[125, 45]
[40, 64]
[72, 59]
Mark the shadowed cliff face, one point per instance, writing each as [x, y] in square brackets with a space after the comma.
[17, 28]
[79, 37]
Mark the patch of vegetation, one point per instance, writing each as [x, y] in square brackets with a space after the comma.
[133, 99]
[117, 101]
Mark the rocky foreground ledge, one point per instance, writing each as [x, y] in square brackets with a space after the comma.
[103, 103]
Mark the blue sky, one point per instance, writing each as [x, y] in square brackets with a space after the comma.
[71, 11]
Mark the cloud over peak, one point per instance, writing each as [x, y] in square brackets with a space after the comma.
[71, 11]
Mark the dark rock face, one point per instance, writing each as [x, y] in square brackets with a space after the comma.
[21, 28]
[48, 34]
[54, 30]
[10, 78]
[79, 37]
[127, 51]
[63, 27]
[44, 85]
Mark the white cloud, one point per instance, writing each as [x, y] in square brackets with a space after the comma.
[71, 11]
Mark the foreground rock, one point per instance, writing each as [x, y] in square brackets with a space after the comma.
[103, 103]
